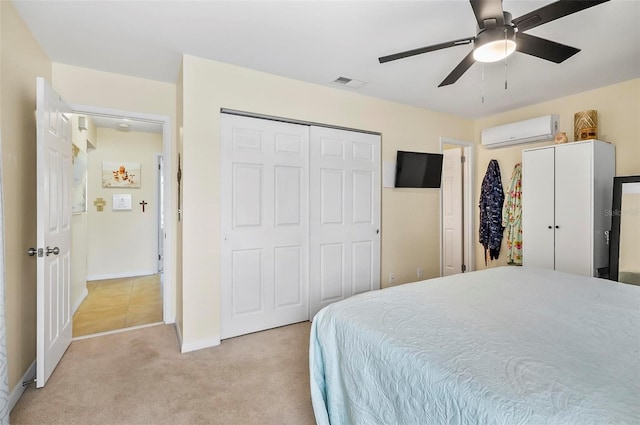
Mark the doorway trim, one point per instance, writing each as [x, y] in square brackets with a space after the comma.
[168, 308]
[161, 222]
[468, 188]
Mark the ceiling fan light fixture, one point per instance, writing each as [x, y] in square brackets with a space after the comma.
[495, 45]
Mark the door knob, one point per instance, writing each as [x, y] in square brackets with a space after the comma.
[31, 252]
[54, 251]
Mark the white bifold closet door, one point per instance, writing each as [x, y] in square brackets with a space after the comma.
[345, 215]
[265, 224]
[300, 209]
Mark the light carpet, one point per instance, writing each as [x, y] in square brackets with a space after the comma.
[140, 377]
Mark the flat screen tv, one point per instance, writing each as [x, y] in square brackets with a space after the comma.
[418, 169]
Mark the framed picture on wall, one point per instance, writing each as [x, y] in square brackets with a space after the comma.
[122, 202]
[79, 193]
[120, 174]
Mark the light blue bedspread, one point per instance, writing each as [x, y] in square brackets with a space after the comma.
[509, 345]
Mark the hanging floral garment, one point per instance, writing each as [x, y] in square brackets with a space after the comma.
[512, 217]
[491, 200]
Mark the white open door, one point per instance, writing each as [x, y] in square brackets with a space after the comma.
[344, 252]
[452, 212]
[54, 230]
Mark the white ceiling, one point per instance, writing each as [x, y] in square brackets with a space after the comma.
[318, 41]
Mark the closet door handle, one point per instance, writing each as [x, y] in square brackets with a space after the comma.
[557, 227]
[550, 227]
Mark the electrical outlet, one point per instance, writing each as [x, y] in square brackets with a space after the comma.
[392, 277]
[419, 272]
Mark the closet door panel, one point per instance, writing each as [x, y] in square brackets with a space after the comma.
[331, 276]
[573, 233]
[362, 268]
[344, 251]
[538, 208]
[247, 281]
[265, 224]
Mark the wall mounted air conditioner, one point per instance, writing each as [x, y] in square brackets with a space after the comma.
[533, 130]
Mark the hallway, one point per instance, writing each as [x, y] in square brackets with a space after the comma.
[119, 303]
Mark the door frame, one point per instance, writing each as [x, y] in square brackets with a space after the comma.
[168, 302]
[160, 183]
[468, 189]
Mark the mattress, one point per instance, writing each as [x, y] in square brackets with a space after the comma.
[508, 345]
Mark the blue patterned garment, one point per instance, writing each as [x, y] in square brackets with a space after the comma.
[491, 200]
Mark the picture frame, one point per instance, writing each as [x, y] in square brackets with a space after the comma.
[122, 202]
[121, 174]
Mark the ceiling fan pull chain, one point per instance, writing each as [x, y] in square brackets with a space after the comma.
[505, 58]
[483, 83]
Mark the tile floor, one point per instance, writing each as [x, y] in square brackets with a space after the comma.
[119, 303]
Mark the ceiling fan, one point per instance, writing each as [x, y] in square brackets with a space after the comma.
[498, 35]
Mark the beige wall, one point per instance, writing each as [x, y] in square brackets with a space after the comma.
[410, 217]
[83, 86]
[108, 90]
[618, 109]
[124, 243]
[446, 146]
[21, 61]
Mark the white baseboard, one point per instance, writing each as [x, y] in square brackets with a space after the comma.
[179, 335]
[81, 298]
[19, 389]
[121, 274]
[198, 345]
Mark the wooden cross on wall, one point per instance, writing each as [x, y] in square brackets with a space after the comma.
[143, 203]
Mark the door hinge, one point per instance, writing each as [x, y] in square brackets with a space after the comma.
[463, 159]
[159, 257]
[464, 268]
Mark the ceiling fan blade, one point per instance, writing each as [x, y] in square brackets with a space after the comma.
[459, 70]
[487, 9]
[426, 49]
[544, 49]
[552, 12]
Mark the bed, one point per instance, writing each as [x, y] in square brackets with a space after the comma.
[508, 345]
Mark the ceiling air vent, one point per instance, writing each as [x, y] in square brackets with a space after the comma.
[349, 82]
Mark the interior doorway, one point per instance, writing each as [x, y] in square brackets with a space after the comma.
[456, 207]
[135, 295]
